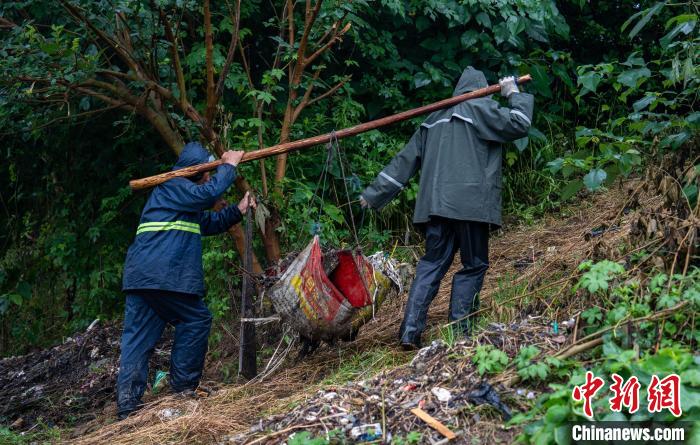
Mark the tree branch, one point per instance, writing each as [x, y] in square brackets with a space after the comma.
[124, 55]
[231, 51]
[176, 59]
[332, 90]
[209, 57]
[307, 94]
[332, 29]
[336, 37]
[310, 18]
[5, 23]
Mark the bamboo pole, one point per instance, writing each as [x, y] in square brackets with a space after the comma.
[151, 181]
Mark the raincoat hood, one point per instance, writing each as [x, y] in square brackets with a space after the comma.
[192, 154]
[471, 79]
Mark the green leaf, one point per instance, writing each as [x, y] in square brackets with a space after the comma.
[683, 27]
[334, 213]
[691, 377]
[557, 414]
[630, 78]
[651, 12]
[570, 189]
[469, 38]
[561, 72]
[555, 165]
[483, 19]
[15, 298]
[594, 179]
[675, 140]
[521, 144]
[421, 79]
[643, 102]
[24, 289]
[541, 80]
[562, 435]
[590, 81]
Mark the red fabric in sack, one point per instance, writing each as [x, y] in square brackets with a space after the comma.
[349, 280]
[313, 276]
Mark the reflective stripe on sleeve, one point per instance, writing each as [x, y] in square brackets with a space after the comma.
[390, 179]
[184, 226]
[521, 114]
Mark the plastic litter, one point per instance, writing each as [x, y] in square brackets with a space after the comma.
[366, 433]
[169, 413]
[442, 394]
[159, 381]
[486, 394]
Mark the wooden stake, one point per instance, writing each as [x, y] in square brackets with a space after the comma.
[434, 423]
[151, 181]
[247, 354]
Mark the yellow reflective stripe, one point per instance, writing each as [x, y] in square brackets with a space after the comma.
[165, 223]
[173, 225]
[159, 229]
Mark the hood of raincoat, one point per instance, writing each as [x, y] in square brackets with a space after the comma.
[471, 79]
[192, 154]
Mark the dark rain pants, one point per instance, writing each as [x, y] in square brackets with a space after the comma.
[443, 237]
[145, 317]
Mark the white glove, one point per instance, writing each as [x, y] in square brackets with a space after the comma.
[508, 86]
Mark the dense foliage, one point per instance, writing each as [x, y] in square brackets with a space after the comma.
[641, 351]
[614, 82]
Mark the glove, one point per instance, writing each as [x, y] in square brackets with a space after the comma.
[363, 203]
[508, 86]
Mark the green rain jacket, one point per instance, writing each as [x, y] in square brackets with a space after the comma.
[458, 151]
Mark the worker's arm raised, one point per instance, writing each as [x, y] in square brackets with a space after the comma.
[503, 124]
[189, 196]
[396, 175]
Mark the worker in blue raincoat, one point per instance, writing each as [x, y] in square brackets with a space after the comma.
[164, 279]
[458, 151]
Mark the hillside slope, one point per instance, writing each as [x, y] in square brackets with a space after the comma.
[530, 268]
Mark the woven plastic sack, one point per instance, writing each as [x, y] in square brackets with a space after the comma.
[306, 299]
[325, 308]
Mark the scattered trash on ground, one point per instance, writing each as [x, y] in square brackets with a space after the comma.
[440, 394]
[70, 382]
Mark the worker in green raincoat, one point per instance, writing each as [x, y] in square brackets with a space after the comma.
[458, 151]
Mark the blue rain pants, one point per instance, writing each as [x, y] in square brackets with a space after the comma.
[145, 316]
[443, 237]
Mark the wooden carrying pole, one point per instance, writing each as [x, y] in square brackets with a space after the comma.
[151, 181]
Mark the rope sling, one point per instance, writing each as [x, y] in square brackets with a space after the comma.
[327, 305]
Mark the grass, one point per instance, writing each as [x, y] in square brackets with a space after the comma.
[41, 434]
[351, 367]
[364, 364]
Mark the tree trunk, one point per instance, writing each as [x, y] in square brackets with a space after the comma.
[272, 242]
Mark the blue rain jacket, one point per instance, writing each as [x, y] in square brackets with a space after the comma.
[167, 251]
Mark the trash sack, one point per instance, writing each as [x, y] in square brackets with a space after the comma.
[326, 306]
[486, 394]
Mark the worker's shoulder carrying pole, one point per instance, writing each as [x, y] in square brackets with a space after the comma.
[151, 181]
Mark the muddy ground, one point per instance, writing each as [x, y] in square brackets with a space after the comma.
[69, 384]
